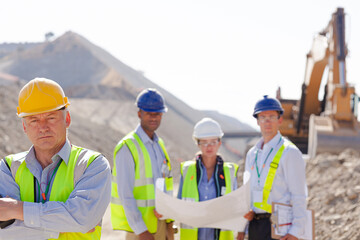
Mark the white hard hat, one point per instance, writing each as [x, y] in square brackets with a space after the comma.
[207, 128]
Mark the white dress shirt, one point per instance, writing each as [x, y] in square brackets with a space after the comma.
[289, 186]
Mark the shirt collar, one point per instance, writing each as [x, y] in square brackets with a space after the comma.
[271, 144]
[219, 160]
[63, 154]
[143, 136]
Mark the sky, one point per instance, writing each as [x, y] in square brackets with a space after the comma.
[213, 55]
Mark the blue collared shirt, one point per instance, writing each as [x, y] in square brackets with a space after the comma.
[126, 178]
[207, 191]
[82, 211]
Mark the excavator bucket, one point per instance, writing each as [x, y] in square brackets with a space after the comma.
[328, 135]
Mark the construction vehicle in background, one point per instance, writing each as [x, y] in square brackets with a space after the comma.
[329, 124]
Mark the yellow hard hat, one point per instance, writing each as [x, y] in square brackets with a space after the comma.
[41, 95]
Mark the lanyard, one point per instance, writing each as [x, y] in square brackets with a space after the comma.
[44, 194]
[263, 166]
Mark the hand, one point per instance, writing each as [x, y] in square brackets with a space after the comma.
[289, 237]
[157, 215]
[241, 236]
[11, 209]
[250, 215]
[146, 236]
[169, 231]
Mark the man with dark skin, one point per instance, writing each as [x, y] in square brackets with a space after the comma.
[133, 195]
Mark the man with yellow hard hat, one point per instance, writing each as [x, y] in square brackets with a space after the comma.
[55, 190]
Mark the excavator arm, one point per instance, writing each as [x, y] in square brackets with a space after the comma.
[329, 124]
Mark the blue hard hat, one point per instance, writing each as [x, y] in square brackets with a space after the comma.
[151, 100]
[267, 104]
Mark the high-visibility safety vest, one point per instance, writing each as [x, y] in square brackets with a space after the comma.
[144, 190]
[264, 205]
[190, 193]
[63, 184]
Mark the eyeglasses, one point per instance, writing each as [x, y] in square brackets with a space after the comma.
[271, 118]
[211, 143]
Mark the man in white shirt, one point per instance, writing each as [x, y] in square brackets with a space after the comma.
[286, 182]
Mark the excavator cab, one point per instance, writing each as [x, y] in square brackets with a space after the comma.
[329, 124]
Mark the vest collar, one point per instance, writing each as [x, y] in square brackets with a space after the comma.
[219, 160]
[63, 154]
[218, 174]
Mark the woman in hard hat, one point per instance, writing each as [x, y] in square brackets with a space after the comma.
[206, 177]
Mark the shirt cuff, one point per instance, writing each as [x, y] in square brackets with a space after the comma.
[140, 228]
[31, 214]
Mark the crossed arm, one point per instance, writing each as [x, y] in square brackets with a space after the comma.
[80, 213]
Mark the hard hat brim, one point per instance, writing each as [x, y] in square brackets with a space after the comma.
[163, 110]
[25, 114]
[263, 110]
[208, 136]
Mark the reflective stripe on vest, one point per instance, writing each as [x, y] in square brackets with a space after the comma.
[264, 205]
[190, 193]
[144, 190]
[62, 186]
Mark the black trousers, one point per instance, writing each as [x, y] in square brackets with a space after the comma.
[260, 229]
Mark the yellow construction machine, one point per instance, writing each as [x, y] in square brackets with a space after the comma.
[329, 124]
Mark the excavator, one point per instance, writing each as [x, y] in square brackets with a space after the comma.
[328, 124]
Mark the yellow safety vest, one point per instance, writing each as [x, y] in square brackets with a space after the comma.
[190, 193]
[144, 190]
[63, 185]
[264, 205]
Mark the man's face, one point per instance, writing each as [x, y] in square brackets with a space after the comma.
[47, 131]
[149, 121]
[269, 122]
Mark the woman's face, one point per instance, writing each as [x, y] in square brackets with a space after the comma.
[209, 147]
